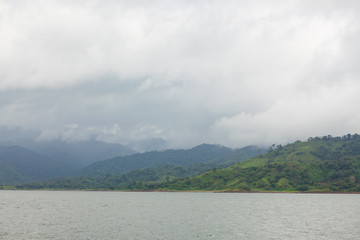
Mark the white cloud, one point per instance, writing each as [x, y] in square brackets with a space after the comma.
[61, 43]
[234, 72]
[330, 110]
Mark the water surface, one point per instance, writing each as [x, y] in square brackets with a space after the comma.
[161, 215]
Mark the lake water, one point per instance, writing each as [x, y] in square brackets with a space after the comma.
[160, 215]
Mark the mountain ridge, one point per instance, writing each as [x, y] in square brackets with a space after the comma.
[76, 153]
[20, 165]
[180, 157]
[161, 166]
[318, 164]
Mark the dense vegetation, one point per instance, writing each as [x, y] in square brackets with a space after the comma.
[131, 180]
[159, 167]
[319, 164]
[205, 153]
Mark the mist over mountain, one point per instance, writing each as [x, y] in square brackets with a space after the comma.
[131, 172]
[18, 164]
[319, 164]
[216, 155]
[31, 160]
[149, 144]
[76, 153]
[28, 160]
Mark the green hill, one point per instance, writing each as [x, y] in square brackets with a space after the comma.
[127, 181]
[151, 168]
[205, 153]
[319, 164]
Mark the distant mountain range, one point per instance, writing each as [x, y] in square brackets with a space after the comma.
[18, 164]
[31, 160]
[38, 161]
[130, 171]
[205, 153]
[319, 164]
[119, 165]
[76, 153]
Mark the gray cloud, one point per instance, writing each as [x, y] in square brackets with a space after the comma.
[234, 72]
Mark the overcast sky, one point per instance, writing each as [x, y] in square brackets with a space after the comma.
[228, 72]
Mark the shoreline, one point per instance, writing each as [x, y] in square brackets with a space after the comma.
[179, 191]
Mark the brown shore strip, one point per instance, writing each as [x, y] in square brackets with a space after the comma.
[176, 191]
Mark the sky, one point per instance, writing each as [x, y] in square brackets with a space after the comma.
[234, 73]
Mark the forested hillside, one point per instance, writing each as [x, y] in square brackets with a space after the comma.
[127, 181]
[182, 157]
[319, 164]
[151, 168]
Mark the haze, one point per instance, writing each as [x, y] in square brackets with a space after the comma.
[186, 72]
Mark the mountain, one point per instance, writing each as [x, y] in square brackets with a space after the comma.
[318, 164]
[9, 175]
[130, 180]
[238, 155]
[152, 168]
[119, 165]
[18, 165]
[76, 153]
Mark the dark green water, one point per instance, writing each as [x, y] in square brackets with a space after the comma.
[121, 215]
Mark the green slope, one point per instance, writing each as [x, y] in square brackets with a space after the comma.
[153, 168]
[319, 164]
[205, 153]
[127, 181]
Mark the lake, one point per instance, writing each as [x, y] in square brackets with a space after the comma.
[165, 215]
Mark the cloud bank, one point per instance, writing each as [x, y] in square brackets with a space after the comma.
[234, 72]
